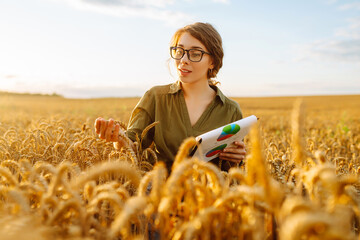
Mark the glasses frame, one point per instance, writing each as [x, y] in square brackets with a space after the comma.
[188, 54]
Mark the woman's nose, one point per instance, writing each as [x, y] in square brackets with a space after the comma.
[185, 59]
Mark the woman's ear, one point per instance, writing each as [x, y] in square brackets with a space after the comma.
[211, 66]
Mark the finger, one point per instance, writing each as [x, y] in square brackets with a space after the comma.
[234, 160]
[240, 151]
[232, 156]
[233, 153]
[123, 140]
[103, 128]
[240, 144]
[115, 135]
[109, 130]
[98, 124]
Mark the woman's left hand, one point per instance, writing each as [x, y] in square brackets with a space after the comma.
[235, 153]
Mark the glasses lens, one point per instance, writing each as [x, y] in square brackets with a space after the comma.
[177, 53]
[195, 55]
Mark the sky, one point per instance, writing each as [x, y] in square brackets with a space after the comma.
[120, 48]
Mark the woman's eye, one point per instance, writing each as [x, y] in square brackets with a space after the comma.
[178, 52]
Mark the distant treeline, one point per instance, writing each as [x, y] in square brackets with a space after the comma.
[3, 93]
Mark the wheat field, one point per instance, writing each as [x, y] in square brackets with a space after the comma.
[58, 180]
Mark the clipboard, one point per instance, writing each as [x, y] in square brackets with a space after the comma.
[211, 143]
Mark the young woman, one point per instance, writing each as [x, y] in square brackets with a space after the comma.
[189, 107]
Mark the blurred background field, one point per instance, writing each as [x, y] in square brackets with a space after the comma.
[338, 105]
[271, 110]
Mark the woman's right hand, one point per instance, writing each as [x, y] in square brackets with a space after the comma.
[110, 131]
[107, 129]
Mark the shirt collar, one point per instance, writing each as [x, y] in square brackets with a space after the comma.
[176, 87]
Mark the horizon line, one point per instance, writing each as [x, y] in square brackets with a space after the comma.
[138, 96]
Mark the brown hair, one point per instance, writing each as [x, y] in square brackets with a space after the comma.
[207, 35]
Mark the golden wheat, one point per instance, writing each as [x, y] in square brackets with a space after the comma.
[58, 180]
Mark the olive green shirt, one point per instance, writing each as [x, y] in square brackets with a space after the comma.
[166, 104]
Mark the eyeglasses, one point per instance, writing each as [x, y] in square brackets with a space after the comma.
[194, 55]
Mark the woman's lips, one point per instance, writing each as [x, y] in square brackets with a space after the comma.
[184, 72]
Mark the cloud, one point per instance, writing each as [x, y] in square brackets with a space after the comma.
[314, 88]
[355, 5]
[344, 46]
[293, 88]
[152, 9]
[341, 50]
[351, 31]
[330, 1]
[222, 1]
[132, 3]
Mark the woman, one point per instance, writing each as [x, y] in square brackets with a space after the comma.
[191, 106]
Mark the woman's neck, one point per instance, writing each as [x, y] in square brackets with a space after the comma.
[198, 90]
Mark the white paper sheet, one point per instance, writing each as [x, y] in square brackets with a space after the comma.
[213, 142]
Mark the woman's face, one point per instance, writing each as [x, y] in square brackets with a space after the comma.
[192, 72]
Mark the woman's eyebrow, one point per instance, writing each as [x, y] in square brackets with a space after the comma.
[193, 47]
